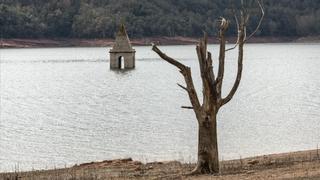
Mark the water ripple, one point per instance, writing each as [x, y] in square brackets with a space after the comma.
[58, 108]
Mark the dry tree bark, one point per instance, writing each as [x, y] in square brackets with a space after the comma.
[206, 112]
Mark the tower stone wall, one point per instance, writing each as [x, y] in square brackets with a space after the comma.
[122, 49]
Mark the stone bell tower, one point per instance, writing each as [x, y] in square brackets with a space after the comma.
[122, 55]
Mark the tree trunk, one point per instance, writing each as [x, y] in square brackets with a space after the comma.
[208, 159]
[206, 112]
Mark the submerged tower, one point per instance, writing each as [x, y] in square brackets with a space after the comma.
[122, 55]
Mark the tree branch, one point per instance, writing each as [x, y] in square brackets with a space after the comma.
[242, 36]
[182, 87]
[186, 107]
[223, 28]
[206, 70]
[236, 83]
[211, 76]
[186, 72]
[260, 21]
[168, 59]
[240, 64]
[210, 68]
[237, 22]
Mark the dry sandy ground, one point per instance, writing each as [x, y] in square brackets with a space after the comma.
[295, 165]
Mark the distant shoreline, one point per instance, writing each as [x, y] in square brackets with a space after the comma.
[65, 42]
[293, 165]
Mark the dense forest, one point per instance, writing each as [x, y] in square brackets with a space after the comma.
[148, 18]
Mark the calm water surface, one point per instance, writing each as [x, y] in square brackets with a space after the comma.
[61, 106]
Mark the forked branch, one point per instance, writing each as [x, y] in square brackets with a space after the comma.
[246, 19]
[239, 71]
[206, 70]
[242, 38]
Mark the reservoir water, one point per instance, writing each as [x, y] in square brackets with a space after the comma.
[64, 106]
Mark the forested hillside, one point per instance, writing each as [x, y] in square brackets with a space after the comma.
[147, 18]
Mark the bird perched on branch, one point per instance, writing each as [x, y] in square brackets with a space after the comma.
[223, 23]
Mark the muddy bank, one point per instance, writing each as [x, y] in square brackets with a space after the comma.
[33, 43]
[295, 165]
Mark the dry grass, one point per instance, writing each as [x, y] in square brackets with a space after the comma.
[296, 165]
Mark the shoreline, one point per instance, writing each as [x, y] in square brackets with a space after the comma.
[292, 165]
[71, 42]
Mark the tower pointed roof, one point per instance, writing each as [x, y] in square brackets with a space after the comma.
[122, 42]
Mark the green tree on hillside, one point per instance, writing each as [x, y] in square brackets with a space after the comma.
[145, 18]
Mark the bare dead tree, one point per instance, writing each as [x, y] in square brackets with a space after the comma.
[206, 112]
